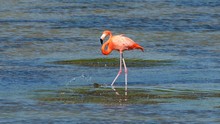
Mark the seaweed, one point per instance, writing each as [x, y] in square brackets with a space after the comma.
[108, 96]
[114, 62]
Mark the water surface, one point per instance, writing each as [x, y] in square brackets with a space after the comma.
[34, 33]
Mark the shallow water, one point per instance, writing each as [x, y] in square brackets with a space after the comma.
[34, 33]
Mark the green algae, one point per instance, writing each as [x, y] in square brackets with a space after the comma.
[218, 107]
[108, 96]
[114, 62]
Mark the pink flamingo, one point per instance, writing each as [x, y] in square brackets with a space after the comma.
[119, 43]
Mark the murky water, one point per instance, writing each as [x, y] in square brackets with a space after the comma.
[33, 33]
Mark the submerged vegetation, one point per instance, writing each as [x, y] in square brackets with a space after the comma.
[108, 96]
[114, 62]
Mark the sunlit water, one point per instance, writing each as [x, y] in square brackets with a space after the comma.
[34, 32]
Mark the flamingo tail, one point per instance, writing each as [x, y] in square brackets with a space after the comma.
[137, 46]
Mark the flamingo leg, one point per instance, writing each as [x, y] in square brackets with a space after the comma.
[126, 71]
[120, 68]
[116, 92]
[126, 76]
[126, 92]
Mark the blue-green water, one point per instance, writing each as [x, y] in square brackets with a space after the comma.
[33, 33]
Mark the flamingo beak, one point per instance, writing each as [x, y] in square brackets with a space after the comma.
[102, 37]
[101, 41]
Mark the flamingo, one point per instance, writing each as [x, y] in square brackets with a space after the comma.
[119, 43]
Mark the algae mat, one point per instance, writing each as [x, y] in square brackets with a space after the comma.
[114, 62]
[109, 96]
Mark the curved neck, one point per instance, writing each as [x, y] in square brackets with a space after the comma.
[105, 47]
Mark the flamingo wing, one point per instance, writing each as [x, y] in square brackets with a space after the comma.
[121, 42]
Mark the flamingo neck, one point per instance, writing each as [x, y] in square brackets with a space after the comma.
[106, 49]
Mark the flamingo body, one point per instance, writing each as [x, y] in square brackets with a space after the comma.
[119, 43]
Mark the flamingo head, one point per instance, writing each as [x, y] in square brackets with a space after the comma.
[104, 34]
